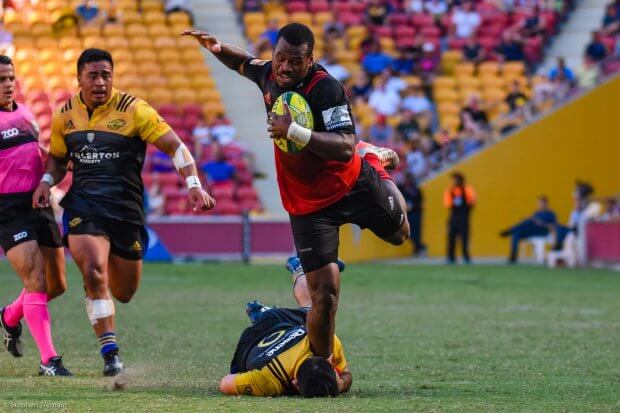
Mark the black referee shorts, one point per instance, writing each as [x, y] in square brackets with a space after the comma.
[127, 240]
[369, 204]
[30, 224]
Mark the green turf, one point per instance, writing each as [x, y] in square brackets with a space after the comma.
[418, 338]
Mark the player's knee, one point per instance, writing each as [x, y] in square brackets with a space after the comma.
[94, 278]
[325, 300]
[124, 296]
[400, 237]
[56, 289]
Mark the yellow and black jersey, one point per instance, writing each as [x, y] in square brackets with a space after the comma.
[107, 147]
[275, 378]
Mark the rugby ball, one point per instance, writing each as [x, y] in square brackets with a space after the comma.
[302, 115]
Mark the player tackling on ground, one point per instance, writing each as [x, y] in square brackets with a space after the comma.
[273, 355]
[327, 184]
[104, 133]
[29, 237]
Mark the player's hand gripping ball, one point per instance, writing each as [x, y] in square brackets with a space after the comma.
[301, 114]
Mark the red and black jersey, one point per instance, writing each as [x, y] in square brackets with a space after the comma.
[308, 183]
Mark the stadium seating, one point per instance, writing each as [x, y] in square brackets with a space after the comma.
[151, 61]
[454, 82]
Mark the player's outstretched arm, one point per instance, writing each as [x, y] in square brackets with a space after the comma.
[232, 56]
[183, 160]
[55, 171]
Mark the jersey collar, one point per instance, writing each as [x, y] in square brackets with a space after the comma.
[106, 105]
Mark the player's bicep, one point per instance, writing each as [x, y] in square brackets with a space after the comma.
[254, 69]
[149, 125]
[330, 102]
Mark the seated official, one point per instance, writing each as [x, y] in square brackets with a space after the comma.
[538, 225]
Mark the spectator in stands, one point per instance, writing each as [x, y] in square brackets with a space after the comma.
[538, 225]
[588, 73]
[408, 128]
[160, 162]
[562, 69]
[460, 199]
[362, 86]
[334, 68]
[88, 12]
[612, 210]
[534, 24]
[415, 159]
[436, 8]
[393, 83]
[429, 61]
[417, 102]
[267, 39]
[219, 170]
[472, 50]
[473, 112]
[383, 101]
[156, 199]
[223, 131]
[415, 202]
[415, 6]
[376, 12]
[405, 63]
[466, 20]
[511, 48]
[376, 61]
[183, 6]
[381, 132]
[112, 14]
[595, 50]
[201, 137]
[516, 98]
[611, 21]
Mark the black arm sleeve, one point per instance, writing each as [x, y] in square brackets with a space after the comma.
[256, 70]
[331, 107]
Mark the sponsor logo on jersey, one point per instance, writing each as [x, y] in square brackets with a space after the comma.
[9, 133]
[136, 246]
[271, 338]
[116, 124]
[336, 117]
[292, 336]
[35, 126]
[90, 137]
[20, 236]
[90, 155]
[75, 222]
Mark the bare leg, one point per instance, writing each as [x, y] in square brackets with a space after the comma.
[124, 277]
[27, 261]
[324, 287]
[54, 271]
[91, 253]
[402, 234]
[300, 291]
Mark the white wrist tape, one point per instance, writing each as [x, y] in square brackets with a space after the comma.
[97, 309]
[48, 179]
[193, 182]
[182, 157]
[298, 134]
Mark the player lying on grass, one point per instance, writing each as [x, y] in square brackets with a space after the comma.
[273, 356]
[29, 237]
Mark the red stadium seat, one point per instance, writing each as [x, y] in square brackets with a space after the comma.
[246, 192]
[350, 19]
[403, 31]
[296, 6]
[383, 31]
[422, 19]
[227, 207]
[192, 109]
[223, 191]
[250, 205]
[318, 6]
[398, 19]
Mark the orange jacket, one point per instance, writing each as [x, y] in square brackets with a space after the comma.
[455, 192]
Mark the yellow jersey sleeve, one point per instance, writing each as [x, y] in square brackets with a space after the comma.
[149, 124]
[58, 146]
[256, 383]
[339, 361]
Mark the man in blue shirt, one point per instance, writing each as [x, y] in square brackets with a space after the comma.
[375, 60]
[538, 225]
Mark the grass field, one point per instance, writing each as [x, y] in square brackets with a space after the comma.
[419, 338]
